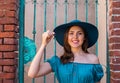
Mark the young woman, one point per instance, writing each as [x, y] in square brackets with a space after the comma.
[76, 65]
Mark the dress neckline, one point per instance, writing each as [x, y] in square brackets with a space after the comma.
[84, 63]
[81, 63]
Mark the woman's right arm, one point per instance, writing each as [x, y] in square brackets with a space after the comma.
[37, 68]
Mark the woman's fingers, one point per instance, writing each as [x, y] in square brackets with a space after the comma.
[50, 34]
[47, 36]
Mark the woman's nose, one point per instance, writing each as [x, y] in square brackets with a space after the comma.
[75, 36]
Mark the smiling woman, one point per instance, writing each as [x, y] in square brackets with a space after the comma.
[76, 64]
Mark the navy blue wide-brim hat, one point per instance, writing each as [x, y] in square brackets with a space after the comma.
[90, 29]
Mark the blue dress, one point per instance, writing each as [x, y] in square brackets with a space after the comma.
[74, 72]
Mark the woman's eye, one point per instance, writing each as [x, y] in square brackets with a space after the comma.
[80, 33]
[70, 33]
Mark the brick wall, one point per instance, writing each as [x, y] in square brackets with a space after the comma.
[114, 40]
[8, 40]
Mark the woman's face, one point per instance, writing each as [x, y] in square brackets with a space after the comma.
[76, 37]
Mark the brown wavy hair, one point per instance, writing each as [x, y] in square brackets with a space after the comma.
[68, 55]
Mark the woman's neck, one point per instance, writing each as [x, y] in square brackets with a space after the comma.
[77, 51]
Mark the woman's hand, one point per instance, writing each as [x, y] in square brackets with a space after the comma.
[46, 37]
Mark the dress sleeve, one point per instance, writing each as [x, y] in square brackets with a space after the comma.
[98, 72]
[54, 62]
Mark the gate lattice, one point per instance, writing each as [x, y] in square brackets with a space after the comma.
[61, 11]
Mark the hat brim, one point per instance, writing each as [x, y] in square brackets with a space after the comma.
[91, 30]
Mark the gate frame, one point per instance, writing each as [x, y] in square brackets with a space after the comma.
[21, 42]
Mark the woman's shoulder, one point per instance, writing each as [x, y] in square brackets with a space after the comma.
[54, 60]
[93, 58]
